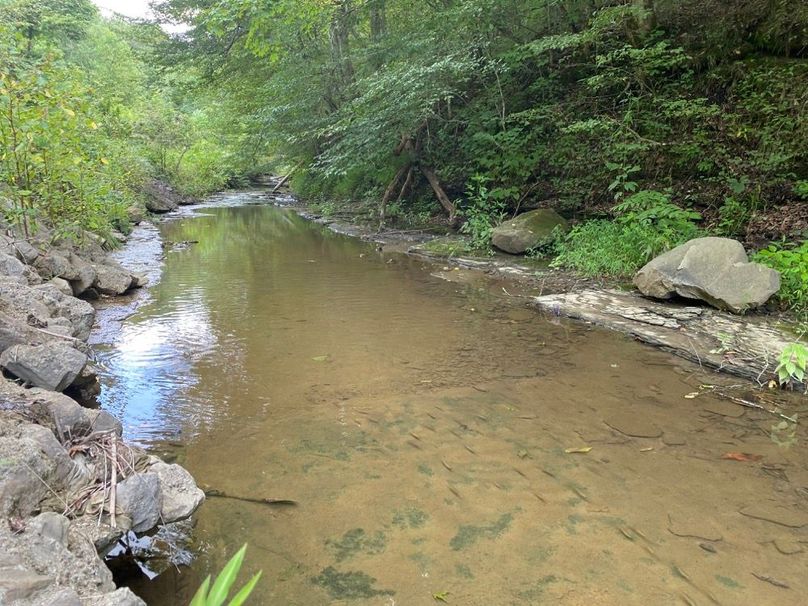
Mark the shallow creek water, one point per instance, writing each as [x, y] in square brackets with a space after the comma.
[421, 424]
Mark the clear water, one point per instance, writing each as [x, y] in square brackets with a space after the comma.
[421, 424]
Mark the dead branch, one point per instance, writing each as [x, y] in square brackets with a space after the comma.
[439, 193]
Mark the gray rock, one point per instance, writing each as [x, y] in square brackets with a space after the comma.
[26, 252]
[100, 535]
[139, 280]
[13, 267]
[67, 418]
[19, 248]
[82, 275]
[52, 265]
[53, 366]
[60, 597]
[714, 270]
[135, 214]
[140, 499]
[50, 526]
[528, 230]
[39, 306]
[62, 285]
[34, 458]
[79, 314]
[86, 387]
[121, 597]
[19, 584]
[112, 280]
[181, 496]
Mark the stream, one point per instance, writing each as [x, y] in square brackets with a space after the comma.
[444, 443]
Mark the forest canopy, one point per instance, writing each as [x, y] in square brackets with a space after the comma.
[458, 112]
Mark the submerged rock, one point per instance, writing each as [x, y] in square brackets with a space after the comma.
[528, 230]
[53, 366]
[714, 270]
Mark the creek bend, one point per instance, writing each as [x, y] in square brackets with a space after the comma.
[421, 424]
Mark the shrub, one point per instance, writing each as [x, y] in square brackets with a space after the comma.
[482, 213]
[792, 364]
[647, 224]
[792, 263]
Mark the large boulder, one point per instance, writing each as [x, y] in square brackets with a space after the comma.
[51, 366]
[112, 280]
[140, 499]
[714, 270]
[13, 268]
[160, 197]
[528, 230]
[181, 496]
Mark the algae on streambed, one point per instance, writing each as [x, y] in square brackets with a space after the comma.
[428, 454]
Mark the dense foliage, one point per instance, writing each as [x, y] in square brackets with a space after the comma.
[644, 121]
[86, 119]
[554, 103]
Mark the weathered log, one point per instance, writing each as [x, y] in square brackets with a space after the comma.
[388, 194]
[406, 187]
[283, 181]
[439, 193]
[745, 346]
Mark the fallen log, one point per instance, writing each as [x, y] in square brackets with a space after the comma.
[439, 193]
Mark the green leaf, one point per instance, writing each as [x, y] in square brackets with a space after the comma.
[201, 595]
[245, 591]
[226, 578]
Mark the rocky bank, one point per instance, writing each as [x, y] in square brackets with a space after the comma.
[70, 487]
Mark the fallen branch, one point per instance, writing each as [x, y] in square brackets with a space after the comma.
[756, 406]
[388, 193]
[439, 193]
[212, 492]
[283, 181]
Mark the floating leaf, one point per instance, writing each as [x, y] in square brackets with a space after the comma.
[320, 358]
[692, 395]
[441, 596]
[579, 450]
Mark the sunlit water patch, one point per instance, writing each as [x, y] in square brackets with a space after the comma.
[442, 440]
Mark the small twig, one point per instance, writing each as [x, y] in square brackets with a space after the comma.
[113, 484]
[756, 406]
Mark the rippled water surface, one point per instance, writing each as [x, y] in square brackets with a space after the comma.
[422, 425]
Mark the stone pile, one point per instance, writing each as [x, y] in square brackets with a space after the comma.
[70, 487]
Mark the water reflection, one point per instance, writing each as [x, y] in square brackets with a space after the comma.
[424, 426]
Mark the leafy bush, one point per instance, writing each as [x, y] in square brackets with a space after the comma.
[482, 213]
[792, 364]
[792, 263]
[647, 224]
[607, 248]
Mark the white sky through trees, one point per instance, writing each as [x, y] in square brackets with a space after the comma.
[133, 8]
[130, 8]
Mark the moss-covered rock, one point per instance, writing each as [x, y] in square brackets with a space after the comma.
[528, 230]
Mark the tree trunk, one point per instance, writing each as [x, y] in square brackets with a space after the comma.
[439, 193]
[388, 193]
[340, 47]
